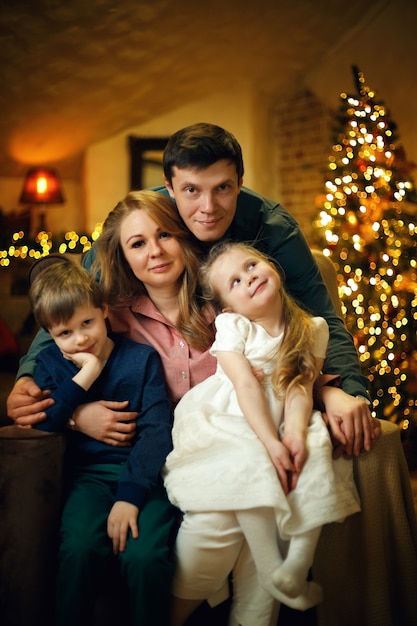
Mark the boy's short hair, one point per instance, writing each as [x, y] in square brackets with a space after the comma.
[59, 289]
[44, 262]
[199, 146]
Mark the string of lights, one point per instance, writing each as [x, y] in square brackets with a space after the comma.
[22, 247]
[368, 226]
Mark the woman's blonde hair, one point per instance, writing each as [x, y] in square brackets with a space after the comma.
[118, 281]
[296, 364]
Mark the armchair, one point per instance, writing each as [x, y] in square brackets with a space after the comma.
[368, 564]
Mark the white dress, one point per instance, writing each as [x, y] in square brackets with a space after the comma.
[218, 463]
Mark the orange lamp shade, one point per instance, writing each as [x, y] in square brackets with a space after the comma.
[42, 186]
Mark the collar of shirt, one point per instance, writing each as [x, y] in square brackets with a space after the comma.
[184, 366]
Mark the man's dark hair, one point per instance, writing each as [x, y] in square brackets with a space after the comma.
[199, 146]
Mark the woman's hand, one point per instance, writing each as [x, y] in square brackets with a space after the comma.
[122, 517]
[106, 421]
[27, 403]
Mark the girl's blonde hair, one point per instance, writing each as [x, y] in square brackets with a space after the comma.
[60, 289]
[118, 280]
[296, 364]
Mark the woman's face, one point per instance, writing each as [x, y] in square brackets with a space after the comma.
[154, 255]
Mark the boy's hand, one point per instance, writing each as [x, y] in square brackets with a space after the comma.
[122, 516]
[80, 359]
[90, 367]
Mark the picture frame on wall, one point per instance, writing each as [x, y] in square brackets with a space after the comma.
[146, 161]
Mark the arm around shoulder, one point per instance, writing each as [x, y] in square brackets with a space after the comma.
[27, 403]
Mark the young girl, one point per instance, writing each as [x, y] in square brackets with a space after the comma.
[252, 458]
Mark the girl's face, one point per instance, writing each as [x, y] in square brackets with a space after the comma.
[154, 255]
[245, 283]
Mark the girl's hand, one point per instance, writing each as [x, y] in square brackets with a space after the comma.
[281, 458]
[297, 449]
[122, 517]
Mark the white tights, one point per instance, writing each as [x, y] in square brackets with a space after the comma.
[284, 578]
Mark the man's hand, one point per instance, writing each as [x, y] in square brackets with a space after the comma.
[106, 421]
[27, 403]
[122, 517]
[352, 427]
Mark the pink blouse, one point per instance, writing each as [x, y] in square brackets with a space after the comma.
[142, 322]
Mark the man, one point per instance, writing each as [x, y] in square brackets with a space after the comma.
[203, 170]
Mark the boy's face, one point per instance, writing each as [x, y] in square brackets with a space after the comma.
[85, 331]
[206, 199]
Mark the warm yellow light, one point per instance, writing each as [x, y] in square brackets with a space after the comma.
[41, 184]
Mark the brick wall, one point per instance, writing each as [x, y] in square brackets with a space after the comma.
[302, 134]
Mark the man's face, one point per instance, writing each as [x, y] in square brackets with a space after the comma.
[206, 199]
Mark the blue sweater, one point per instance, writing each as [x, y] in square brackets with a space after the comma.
[133, 372]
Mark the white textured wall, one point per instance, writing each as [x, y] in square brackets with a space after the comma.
[107, 163]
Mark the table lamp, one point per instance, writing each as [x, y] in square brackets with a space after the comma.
[42, 186]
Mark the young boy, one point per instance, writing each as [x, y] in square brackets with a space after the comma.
[111, 490]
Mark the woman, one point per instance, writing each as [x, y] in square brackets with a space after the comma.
[148, 264]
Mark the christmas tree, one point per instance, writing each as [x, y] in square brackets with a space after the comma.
[367, 226]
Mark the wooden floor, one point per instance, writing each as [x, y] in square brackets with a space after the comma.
[218, 616]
